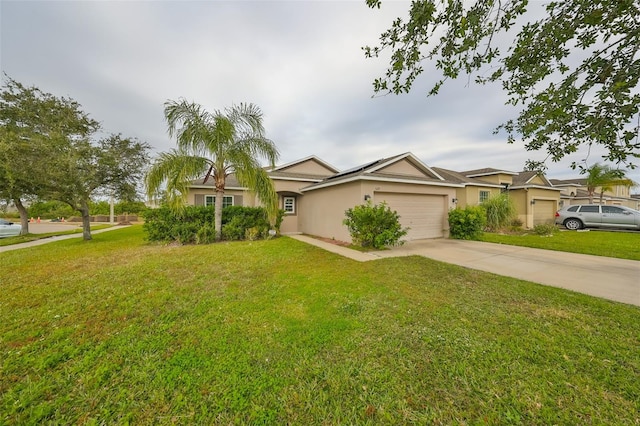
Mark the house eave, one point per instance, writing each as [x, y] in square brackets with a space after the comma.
[382, 179]
[536, 187]
[235, 188]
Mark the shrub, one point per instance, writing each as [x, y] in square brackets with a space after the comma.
[195, 224]
[374, 226]
[545, 229]
[516, 224]
[500, 211]
[467, 223]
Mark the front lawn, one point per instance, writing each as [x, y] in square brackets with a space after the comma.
[117, 331]
[623, 245]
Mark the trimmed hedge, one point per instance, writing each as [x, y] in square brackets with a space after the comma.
[195, 224]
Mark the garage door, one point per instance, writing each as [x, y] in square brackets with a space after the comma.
[424, 214]
[544, 211]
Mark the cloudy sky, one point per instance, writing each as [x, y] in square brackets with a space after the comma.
[301, 62]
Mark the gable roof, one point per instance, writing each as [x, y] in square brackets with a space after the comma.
[295, 170]
[375, 171]
[458, 177]
[569, 182]
[303, 160]
[487, 172]
[525, 180]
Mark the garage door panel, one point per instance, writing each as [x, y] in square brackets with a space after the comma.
[423, 214]
[543, 212]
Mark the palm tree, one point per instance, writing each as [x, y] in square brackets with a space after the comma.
[605, 178]
[213, 146]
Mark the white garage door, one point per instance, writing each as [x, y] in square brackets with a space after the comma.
[543, 212]
[424, 214]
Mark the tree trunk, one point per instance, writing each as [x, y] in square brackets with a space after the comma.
[601, 195]
[24, 218]
[218, 214]
[86, 221]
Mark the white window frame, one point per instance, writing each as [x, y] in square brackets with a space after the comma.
[481, 193]
[212, 203]
[292, 201]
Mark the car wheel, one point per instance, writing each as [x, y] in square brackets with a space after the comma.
[573, 224]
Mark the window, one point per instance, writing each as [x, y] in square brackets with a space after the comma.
[210, 200]
[484, 196]
[573, 209]
[612, 209]
[590, 209]
[289, 205]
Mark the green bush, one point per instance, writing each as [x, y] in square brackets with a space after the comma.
[467, 223]
[545, 229]
[500, 211]
[195, 224]
[374, 226]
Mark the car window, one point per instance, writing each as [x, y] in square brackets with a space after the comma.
[590, 209]
[573, 209]
[612, 209]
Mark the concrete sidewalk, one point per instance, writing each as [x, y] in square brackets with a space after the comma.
[47, 240]
[609, 278]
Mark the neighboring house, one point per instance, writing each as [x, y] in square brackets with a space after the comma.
[574, 191]
[315, 195]
[536, 200]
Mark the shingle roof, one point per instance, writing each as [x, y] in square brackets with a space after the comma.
[486, 171]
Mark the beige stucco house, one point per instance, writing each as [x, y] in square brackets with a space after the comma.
[574, 191]
[536, 200]
[315, 195]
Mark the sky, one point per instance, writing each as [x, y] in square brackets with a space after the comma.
[301, 62]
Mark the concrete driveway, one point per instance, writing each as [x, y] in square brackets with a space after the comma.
[609, 278]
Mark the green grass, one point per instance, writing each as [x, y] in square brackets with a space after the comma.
[623, 245]
[33, 237]
[117, 331]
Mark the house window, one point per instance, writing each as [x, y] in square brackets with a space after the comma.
[289, 205]
[484, 196]
[210, 200]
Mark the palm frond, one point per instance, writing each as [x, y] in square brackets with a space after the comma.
[175, 170]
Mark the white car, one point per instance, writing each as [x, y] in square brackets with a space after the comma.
[9, 229]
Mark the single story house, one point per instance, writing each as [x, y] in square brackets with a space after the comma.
[315, 195]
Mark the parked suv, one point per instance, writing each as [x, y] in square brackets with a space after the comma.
[580, 216]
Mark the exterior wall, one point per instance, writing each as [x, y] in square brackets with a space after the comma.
[324, 210]
[241, 198]
[498, 178]
[470, 195]
[310, 167]
[522, 199]
[402, 168]
[290, 188]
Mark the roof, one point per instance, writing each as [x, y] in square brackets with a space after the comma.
[302, 160]
[296, 176]
[568, 182]
[373, 171]
[458, 177]
[487, 172]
